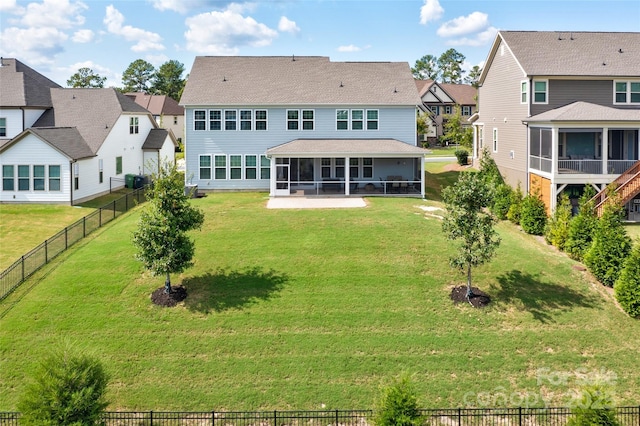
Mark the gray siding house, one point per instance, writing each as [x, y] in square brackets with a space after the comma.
[561, 110]
[302, 126]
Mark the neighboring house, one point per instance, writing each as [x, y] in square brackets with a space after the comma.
[81, 147]
[561, 110]
[165, 110]
[440, 100]
[302, 125]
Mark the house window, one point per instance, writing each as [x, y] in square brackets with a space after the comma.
[340, 167]
[199, 119]
[261, 119]
[367, 168]
[447, 110]
[539, 92]
[372, 119]
[495, 140]
[8, 181]
[100, 168]
[250, 167]
[3, 127]
[133, 125]
[357, 119]
[175, 120]
[38, 178]
[307, 119]
[524, 93]
[23, 178]
[342, 119]
[54, 178]
[480, 136]
[326, 167]
[292, 119]
[627, 92]
[265, 167]
[205, 167]
[235, 166]
[230, 120]
[220, 166]
[354, 168]
[118, 165]
[466, 110]
[215, 119]
[435, 109]
[245, 119]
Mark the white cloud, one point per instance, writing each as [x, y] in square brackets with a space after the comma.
[144, 40]
[54, 13]
[83, 36]
[184, 6]
[10, 6]
[349, 48]
[481, 39]
[223, 33]
[288, 26]
[34, 46]
[430, 11]
[476, 21]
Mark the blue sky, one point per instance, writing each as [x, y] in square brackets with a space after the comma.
[56, 37]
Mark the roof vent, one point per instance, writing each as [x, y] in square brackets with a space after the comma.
[620, 50]
[604, 64]
[341, 85]
[571, 36]
[293, 58]
[224, 78]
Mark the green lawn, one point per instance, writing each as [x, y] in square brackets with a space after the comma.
[303, 309]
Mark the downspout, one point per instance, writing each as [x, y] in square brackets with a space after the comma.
[71, 182]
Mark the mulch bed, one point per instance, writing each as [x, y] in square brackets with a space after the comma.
[177, 295]
[479, 299]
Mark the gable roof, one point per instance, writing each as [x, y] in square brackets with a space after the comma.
[585, 111]
[65, 139]
[21, 86]
[157, 104]
[587, 54]
[156, 137]
[92, 111]
[462, 94]
[307, 80]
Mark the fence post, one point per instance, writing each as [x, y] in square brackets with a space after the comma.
[114, 209]
[151, 418]
[520, 416]
[22, 265]
[46, 251]
[84, 226]
[100, 218]
[459, 417]
[337, 418]
[66, 238]
[275, 417]
[213, 418]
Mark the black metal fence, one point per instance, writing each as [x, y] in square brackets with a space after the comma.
[29, 263]
[627, 416]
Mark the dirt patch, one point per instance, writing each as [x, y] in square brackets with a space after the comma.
[478, 299]
[177, 295]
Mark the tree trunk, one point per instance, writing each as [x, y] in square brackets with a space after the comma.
[469, 292]
[167, 285]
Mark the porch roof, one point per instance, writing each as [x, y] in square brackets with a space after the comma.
[346, 148]
[585, 111]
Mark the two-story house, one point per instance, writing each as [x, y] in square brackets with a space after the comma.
[165, 110]
[302, 125]
[78, 145]
[561, 110]
[440, 100]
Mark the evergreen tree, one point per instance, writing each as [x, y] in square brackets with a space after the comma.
[168, 80]
[557, 230]
[533, 214]
[450, 64]
[86, 78]
[627, 287]
[398, 405]
[515, 209]
[138, 77]
[426, 68]
[582, 226]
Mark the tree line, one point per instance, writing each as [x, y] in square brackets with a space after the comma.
[446, 68]
[140, 76]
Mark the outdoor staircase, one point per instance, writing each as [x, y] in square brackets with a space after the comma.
[627, 186]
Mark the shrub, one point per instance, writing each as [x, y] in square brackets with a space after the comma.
[502, 198]
[594, 408]
[582, 226]
[398, 405]
[489, 170]
[610, 247]
[557, 230]
[627, 287]
[533, 216]
[515, 209]
[68, 389]
[463, 156]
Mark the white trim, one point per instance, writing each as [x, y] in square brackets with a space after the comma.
[546, 91]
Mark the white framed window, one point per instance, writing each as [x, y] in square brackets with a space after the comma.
[293, 117]
[199, 119]
[524, 92]
[235, 167]
[447, 110]
[626, 92]
[204, 167]
[215, 119]
[54, 178]
[357, 119]
[230, 119]
[261, 119]
[220, 167]
[342, 119]
[8, 178]
[372, 119]
[480, 136]
[3, 127]
[466, 110]
[435, 109]
[251, 167]
[39, 178]
[495, 140]
[246, 119]
[133, 125]
[100, 170]
[540, 91]
[24, 176]
[354, 168]
[265, 168]
[308, 119]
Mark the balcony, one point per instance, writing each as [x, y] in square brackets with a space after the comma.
[580, 166]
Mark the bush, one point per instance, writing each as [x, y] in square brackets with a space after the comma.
[627, 287]
[515, 209]
[557, 230]
[593, 409]
[68, 389]
[398, 405]
[489, 170]
[582, 226]
[533, 216]
[611, 246]
[463, 156]
[502, 198]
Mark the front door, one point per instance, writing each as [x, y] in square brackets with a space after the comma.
[282, 176]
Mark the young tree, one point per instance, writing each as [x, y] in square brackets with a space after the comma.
[86, 78]
[515, 209]
[582, 226]
[138, 77]
[68, 389]
[627, 287]
[455, 132]
[450, 64]
[398, 405]
[426, 68]
[161, 239]
[557, 230]
[468, 222]
[533, 214]
[168, 79]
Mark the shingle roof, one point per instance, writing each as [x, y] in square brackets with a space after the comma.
[157, 104]
[462, 94]
[553, 53]
[155, 139]
[370, 147]
[423, 86]
[65, 139]
[243, 80]
[585, 111]
[21, 86]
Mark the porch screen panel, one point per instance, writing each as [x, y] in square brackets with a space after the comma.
[546, 146]
[534, 148]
